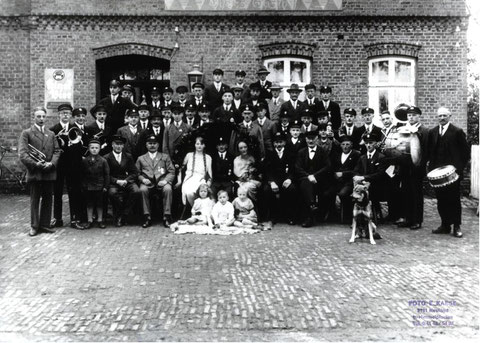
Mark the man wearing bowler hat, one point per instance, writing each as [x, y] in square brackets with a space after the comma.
[263, 84]
[293, 107]
[215, 90]
[122, 191]
[156, 175]
[330, 106]
[116, 106]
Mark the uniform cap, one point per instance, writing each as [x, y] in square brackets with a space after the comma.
[78, 111]
[63, 107]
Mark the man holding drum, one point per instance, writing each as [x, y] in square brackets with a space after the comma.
[448, 153]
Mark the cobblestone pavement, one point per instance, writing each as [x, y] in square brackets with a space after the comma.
[290, 284]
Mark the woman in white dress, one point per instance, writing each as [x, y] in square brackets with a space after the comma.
[198, 170]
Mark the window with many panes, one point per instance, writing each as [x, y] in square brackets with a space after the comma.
[391, 82]
[288, 70]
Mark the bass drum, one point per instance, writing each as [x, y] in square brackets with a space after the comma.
[442, 176]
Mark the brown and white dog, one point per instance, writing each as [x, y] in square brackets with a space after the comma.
[362, 213]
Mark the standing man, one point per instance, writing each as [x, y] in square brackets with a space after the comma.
[240, 83]
[447, 145]
[349, 129]
[182, 93]
[156, 99]
[143, 116]
[215, 90]
[198, 99]
[99, 129]
[61, 132]
[275, 103]
[332, 107]
[368, 127]
[167, 94]
[40, 142]
[156, 176]
[293, 106]
[263, 84]
[226, 113]
[116, 106]
[156, 128]
[131, 133]
[222, 167]
[312, 102]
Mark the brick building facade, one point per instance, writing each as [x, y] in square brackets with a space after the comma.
[342, 45]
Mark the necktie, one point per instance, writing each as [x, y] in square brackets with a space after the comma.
[312, 153]
[369, 156]
[198, 102]
[155, 131]
[118, 158]
[294, 105]
[310, 102]
[42, 129]
[275, 102]
[442, 130]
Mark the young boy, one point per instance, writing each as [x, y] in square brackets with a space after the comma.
[306, 118]
[95, 182]
[268, 127]
[295, 142]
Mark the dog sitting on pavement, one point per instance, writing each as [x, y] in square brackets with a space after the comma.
[362, 213]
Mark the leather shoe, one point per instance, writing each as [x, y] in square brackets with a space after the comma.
[88, 226]
[457, 232]
[308, 222]
[147, 222]
[442, 230]
[416, 227]
[46, 229]
[119, 222]
[167, 221]
[101, 225]
[77, 225]
[32, 232]
[56, 223]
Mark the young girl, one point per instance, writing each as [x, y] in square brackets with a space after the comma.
[202, 207]
[96, 178]
[223, 213]
[244, 209]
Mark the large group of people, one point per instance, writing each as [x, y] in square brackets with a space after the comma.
[234, 156]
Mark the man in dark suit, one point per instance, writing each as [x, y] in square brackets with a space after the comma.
[116, 106]
[131, 133]
[156, 128]
[182, 94]
[144, 117]
[191, 116]
[156, 102]
[255, 100]
[99, 129]
[275, 103]
[227, 113]
[237, 97]
[215, 90]
[447, 145]
[368, 127]
[283, 125]
[293, 106]
[240, 83]
[412, 175]
[222, 169]
[156, 175]
[167, 94]
[348, 128]
[330, 106]
[295, 140]
[41, 171]
[312, 167]
[263, 84]
[279, 189]
[61, 132]
[343, 165]
[198, 98]
[122, 191]
[312, 102]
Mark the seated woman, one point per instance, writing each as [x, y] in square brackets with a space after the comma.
[198, 170]
[245, 171]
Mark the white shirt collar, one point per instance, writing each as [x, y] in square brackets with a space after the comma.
[445, 127]
[117, 156]
[152, 155]
[247, 124]
[100, 124]
[280, 151]
[294, 140]
[261, 121]
[346, 155]
[64, 126]
[39, 128]
[371, 153]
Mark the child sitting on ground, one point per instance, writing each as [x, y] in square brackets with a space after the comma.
[223, 214]
[245, 215]
[202, 207]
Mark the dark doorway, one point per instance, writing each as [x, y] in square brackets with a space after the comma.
[141, 72]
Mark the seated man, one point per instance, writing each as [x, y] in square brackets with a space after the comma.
[312, 167]
[222, 169]
[280, 191]
[123, 191]
[371, 168]
[156, 175]
[343, 164]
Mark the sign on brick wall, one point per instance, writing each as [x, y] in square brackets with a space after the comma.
[253, 5]
[58, 87]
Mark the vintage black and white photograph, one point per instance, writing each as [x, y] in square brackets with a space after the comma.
[239, 170]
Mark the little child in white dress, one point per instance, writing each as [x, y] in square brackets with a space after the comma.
[222, 212]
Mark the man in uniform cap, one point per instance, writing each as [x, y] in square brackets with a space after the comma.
[222, 169]
[156, 176]
[368, 126]
[167, 94]
[182, 94]
[293, 106]
[155, 128]
[251, 128]
[263, 84]
[128, 92]
[99, 129]
[191, 116]
[312, 167]
[198, 99]
[370, 168]
[156, 98]
[143, 115]
[330, 106]
[131, 133]
[237, 97]
[240, 83]
[312, 102]
[61, 132]
[295, 141]
[275, 103]
[123, 190]
[447, 145]
[279, 189]
[215, 90]
[307, 117]
[349, 129]
[116, 106]
[226, 112]
[283, 125]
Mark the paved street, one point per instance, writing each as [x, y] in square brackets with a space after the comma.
[290, 283]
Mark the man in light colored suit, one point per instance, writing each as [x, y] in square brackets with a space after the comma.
[156, 175]
[41, 169]
[275, 103]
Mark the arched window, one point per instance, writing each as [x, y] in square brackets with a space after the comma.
[288, 70]
[391, 81]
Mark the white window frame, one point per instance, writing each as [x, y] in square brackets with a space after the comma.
[286, 74]
[391, 85]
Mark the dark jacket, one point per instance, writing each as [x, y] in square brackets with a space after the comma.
[95, 173]
[222, 169]
[347, 168]
[293, 113]
[265, 90]
[279, 169]
[319, 166]
[334, 112]
[214, 97]
[116, 111]
[126, 170]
